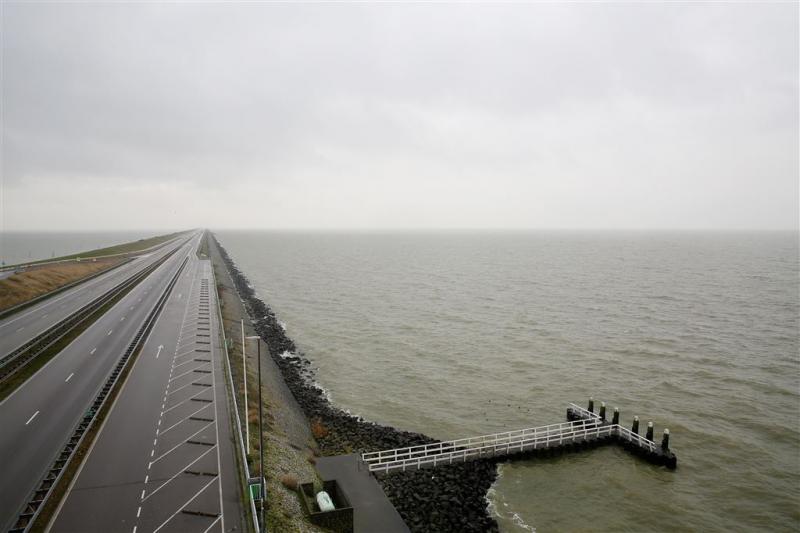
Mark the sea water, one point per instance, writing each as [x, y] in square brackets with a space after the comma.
[456, 334]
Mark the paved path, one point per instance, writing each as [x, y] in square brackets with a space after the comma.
[372, 510]
[21, 327]
[171, 425]
[38, 418]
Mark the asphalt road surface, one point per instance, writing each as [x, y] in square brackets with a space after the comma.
[39, 417]
[164, 459]
[21, 327]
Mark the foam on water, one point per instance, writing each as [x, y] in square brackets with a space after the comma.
[459, 334]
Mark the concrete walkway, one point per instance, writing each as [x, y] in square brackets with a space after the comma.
[372, 510]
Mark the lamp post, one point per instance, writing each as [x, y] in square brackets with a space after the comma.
[246, 407]
[260, 433]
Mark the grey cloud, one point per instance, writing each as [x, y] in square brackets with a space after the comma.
[389, 115]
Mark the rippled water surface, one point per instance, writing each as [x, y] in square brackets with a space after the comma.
[458, 334]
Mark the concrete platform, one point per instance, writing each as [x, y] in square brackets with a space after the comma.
[372, 510]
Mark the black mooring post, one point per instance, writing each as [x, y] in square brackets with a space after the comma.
[602, 410]
[615, 419]
[665, 440]
[591, 404]
[635, 426]
[649, 435]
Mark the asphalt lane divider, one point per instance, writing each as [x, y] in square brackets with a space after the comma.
[16, 360]
[39, 498]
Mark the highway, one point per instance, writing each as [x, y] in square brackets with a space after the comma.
[172, 424]
[41, 414]
[21, 327]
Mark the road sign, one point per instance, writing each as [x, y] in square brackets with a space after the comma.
[254, 484]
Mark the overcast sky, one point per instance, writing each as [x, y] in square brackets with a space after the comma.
[399, 116]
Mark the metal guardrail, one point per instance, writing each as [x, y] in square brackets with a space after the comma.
[18, 358]
[240, 437]
[6, 268]
[28, 303]
[39, 497]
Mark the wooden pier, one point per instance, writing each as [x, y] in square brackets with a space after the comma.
[584, 428]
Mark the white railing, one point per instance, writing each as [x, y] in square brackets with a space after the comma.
[630, 436]
[584, 412]
[496, 444]
[486, 445]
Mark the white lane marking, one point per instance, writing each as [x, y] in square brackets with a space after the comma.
[44, 315]
[181, 443]
[31, 418]
[142, 497]
[134, 529]
[109, 332]
[160, 347]
[138, 512]
[179, 472]
[121, 319]
[93, 350]
[69, 377]
[20, 329]
[182, 507]
[213, 524]
[146, 478]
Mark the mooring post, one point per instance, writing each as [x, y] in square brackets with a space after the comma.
[649, 435]
[635, 426]
[591, 404]
[665, 440]
[602, 410]
[615, 419]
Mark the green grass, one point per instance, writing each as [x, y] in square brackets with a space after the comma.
[135, 246]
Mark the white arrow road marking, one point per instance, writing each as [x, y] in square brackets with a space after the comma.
[160, 347]
[31, 418]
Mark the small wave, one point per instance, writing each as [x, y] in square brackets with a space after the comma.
[493, 498]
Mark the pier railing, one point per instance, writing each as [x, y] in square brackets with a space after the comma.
[486, 445]
[584, 426]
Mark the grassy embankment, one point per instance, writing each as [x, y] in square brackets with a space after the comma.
[27, 285]
[289, 456]
[124, 248]
[38, 280]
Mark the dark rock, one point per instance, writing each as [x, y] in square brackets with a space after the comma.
[447, 498]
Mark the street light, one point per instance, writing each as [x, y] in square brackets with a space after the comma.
[260, 432]
[246, 407]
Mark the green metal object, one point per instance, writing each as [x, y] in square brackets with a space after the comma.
[255, 491]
